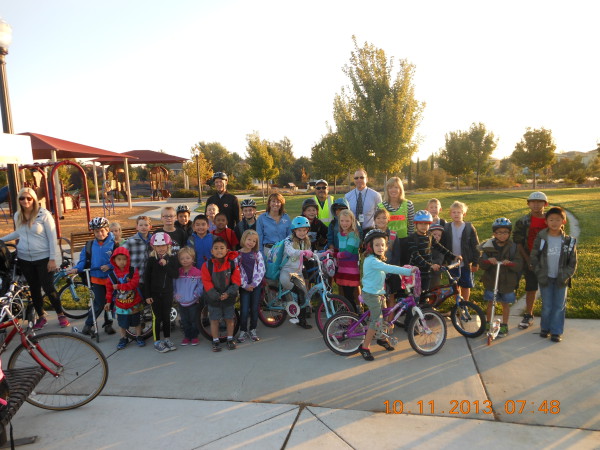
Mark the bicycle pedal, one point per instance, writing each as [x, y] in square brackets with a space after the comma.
[74, 330]
[294, 320]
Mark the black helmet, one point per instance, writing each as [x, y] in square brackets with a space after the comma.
[309, 202]
[373, 234]
[183, 208]
[248, 202]
[221, 175]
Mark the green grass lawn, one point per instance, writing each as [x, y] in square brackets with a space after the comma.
[485, 206]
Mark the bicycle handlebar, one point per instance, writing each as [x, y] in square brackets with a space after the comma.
[501, 263]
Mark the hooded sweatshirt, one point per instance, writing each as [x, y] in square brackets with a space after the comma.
[127, 297]
[222, 279]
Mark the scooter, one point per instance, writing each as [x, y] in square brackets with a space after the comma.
[492, 334]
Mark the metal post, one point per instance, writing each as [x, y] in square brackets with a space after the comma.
[7, 127]
[96, 182]
[198, 177]
[126, 166]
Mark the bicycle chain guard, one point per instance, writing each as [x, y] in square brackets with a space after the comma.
[293, 309]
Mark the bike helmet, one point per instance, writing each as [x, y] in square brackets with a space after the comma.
[160, 238]
[437, 226]
[537, 196]
[183, 208]
[300, 222]
[98, 222]
[309, 202]
[374, 234]
[248, 203]
[501, 222]
[423, 216]
[221, 175]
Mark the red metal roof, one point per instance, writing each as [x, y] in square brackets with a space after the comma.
[144, 157]
[42, 147]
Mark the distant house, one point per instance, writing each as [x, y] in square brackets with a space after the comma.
[586, 157]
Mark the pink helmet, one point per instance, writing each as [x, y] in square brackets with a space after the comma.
[160, 238]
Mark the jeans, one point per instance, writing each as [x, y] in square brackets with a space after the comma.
[249, 301]
[99, 291]
[189, 320]
[554, 300]
[37, 276]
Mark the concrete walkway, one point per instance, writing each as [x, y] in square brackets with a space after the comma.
[290, 391]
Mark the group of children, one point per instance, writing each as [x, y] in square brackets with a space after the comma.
[185, 261]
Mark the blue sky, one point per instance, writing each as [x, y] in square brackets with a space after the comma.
[124, 75]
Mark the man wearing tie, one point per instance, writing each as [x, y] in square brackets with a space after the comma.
[363, 201]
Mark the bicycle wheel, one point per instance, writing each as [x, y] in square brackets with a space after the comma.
[468, 318]
[427, 336]
[145, 322]
[75, 299]
[270, 317]
[205, 325]
[82, 370]
[344, 333]
[336, 303]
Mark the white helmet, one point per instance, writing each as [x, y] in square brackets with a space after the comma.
[160, 238]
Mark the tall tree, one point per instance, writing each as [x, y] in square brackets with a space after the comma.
[454, 157]
[482, 146]
[377, 116]
[219, 157]
[198, 161]
[535, 151]
[260, 160]
[329, 158]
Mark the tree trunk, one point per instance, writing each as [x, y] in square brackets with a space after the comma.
[334, 186]
[457, 183]
[533, 179]
[262, 185]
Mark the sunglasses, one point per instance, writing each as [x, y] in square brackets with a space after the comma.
[27, 199]
[321, 188]
[359, 178]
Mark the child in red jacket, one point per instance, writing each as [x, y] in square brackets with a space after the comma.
[122, 288]
[221, 280]
[224, 232]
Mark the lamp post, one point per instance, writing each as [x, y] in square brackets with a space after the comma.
[198, 176]
[7, 126]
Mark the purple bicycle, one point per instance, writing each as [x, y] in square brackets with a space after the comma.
[345, 331]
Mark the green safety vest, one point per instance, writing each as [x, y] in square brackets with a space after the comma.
[398, 219]
[324, 214]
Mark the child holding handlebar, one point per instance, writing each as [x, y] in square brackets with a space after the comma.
[500, 250]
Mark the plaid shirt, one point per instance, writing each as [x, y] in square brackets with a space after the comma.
[139, 250]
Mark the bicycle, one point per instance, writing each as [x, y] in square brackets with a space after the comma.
[427, 331]
[467, 317]
[277, 303]
[76, 369]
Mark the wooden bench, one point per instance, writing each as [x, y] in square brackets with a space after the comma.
[21, 383]
[68, 247]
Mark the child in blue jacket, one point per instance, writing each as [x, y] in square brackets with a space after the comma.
[188, 289]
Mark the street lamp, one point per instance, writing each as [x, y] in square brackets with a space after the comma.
[7, 127]
[198, 176]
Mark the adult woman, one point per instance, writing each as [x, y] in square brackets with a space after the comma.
[402, 211]
[37, 253]
[274, 225]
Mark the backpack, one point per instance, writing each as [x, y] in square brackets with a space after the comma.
[88, 253]
[275, 260]
[129, 295]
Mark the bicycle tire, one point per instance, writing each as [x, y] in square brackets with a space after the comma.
[145, 322]
[82, 376]
[337, 303]
[204, 322]
[335, 333]
[82, 302]
[427, 343]
[270, 317]
[468, 318]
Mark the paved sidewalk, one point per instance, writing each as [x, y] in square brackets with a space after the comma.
[289, 389]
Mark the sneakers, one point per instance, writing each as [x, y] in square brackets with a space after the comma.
[216, 346]
[170, 345]
[185, 342]
[160, 347]
[140, 342]
[87, 329]
[195, 341]
[231, 344]
[63, 321]
[503, 330]
[254, 336]
[544, 334]
[385, 344]
[303, 324]
[108, 328]
[527, 321]
[556, 338]
[41, 322]
[243, 336]
[366, 353]
[122, 343]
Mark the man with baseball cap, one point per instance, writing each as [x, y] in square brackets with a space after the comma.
[324, 201]
[227, 203]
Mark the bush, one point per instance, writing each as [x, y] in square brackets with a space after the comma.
[184, 193]
[495, 182]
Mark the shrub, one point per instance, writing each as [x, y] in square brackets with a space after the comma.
[184, 193]
[495, 182]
